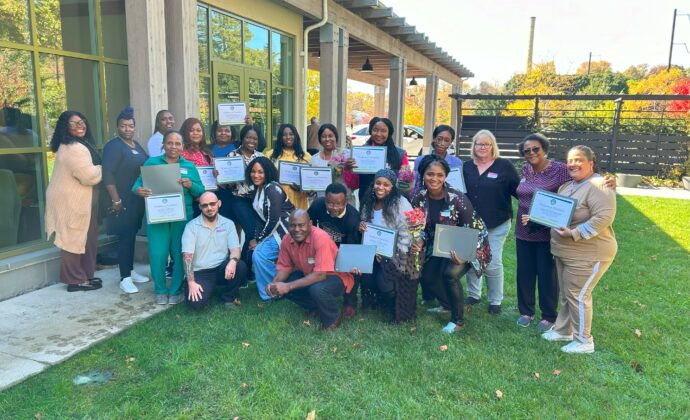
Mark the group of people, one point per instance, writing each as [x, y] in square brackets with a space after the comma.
[287, 240]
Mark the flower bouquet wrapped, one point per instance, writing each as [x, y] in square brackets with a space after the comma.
[337, 163]
[406, 179]
[416, 221]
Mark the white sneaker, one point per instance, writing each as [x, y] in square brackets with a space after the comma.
[138, 278]
[552, 335]
[127, 286]
[438, 310]
[577, 347]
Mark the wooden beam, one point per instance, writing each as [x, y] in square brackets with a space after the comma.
[401, 30]
[391, 22]
[359, 4]
[384, 13]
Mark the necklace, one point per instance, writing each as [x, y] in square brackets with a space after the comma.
[131, 144]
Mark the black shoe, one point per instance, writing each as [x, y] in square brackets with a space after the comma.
[96, 280]
[495, 309]
[83, 287]
[469, 300]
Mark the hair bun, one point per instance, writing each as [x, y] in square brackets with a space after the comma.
[127, 113]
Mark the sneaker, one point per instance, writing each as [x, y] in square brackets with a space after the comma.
[438, 310]
[469, 300]
[525, 320]
[175, 299]
[577, 347]
[544, 325]
[127, 286]
[161, 299]
[138, 278]
[552, 335]
[452, 327]
[495, 309]
[168, 272]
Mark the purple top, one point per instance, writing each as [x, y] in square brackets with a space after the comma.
[550, 179]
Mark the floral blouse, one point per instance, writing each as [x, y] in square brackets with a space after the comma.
[456, 210]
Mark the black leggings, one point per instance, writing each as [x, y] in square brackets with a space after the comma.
[441, 277]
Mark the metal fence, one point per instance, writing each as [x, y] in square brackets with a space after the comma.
[639, 134]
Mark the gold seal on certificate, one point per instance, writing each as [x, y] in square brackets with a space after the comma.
[207, 177]
[460, 239]
[230, 169]
[165, 208]
[383, 237]
[550, 209]
[456, 180]
[368, 159]
[315, 178]
[289, 172]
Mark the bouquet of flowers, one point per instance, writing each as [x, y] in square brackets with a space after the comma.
[416, 221]
[406, 180]
[337, 162]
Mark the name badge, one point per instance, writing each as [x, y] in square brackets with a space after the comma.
[492, 175]
[445, 213]
[134, 152]
[523, 180]
[183, 171]
[311, 260]
[220, 230]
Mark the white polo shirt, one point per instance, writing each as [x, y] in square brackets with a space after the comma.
[210, 246]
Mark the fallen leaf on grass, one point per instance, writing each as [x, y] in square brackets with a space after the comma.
[499, 394]
[653, 258]
[641, 305]
[443, 347]
[638, 333]
[260, 305]
[306, 323]
[38, 416]
[177, 317]
[311, 415]
[236, 418]
[536, 375]
[246, 345]
[413, 329]
[468, 308]
[637, 366]
[556, 372]
[356, 345]
[130, 359]
[334, 349]
[244, 385]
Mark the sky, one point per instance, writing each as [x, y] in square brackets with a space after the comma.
[491, 37]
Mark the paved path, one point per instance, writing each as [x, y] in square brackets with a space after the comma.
[49, 325]
[661, 192]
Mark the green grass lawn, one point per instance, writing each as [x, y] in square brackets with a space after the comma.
[264, 361]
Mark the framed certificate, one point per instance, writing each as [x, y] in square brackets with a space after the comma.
[207, 177]
[384, 238]
[369, 159]
[550, 209]
[162, 179]
[231, 113]
[315, 179]
[356, 256]
[165, 208]
[456, 180]
[460, 239]
[289, 172]
[230, 169]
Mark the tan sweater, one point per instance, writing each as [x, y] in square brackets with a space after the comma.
[68, 197]
[593, 238]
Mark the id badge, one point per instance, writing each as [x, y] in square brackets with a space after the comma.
[311, 260]
[183, 171]
[492, 175]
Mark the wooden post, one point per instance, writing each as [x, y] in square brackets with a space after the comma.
[458, 128]
[536, 114]
[614, 134]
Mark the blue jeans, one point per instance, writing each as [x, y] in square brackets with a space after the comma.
[494, 271]
[322, 297]
[264, 258]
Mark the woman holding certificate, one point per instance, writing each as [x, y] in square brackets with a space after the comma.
[330, 156]
[288, 148]
[165, 239]
[582, 251]
[223, 139]
[444, 205]
[394, 278]
[272, 209]
[381, 134]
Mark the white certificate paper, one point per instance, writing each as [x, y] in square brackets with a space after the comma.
[368, 159]
[231, 113]
[289, 172]
[456, 180]
[383, 237]
[315, 179]
[207, 177]
[550, 209]
[165, 208]
[230, 169]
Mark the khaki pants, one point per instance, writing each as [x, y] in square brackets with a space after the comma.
[576, 280]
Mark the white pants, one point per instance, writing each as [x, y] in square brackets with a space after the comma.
[494, 271]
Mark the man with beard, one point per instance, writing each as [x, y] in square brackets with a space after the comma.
[340, 221]
[211, 256]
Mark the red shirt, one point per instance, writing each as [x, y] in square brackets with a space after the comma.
[316, 254]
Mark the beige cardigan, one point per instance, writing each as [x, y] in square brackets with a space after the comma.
[68, 197]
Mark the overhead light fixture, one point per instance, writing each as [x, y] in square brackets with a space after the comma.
[413, 82]
[367, 67]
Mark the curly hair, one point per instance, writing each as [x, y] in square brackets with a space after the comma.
[270, 171]
[391, 204]
[392, 156]
[278, 146]
[62, 136]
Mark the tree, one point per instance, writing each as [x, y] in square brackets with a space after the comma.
[313, 93]
[594, 67]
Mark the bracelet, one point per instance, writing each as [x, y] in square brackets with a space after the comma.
[117, 202]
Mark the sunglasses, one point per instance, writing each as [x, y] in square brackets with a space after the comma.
[534, 150]
[80, 123]
[211, 204]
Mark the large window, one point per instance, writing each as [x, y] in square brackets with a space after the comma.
[74, 58]
[263, 62]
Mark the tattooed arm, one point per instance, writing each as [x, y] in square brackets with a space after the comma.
[195, 289]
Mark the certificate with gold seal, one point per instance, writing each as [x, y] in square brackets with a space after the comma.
[551, 209]
[164, 208]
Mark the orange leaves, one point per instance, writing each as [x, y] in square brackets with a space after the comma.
[556, 372]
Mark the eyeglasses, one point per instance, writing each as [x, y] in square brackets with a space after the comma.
[80, 123]
[483, 145]
[211, 204]
[534, 150]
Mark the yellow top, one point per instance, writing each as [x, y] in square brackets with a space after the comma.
[297, 198]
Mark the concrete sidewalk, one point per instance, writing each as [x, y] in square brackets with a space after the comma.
[47, 326]
[660, 192]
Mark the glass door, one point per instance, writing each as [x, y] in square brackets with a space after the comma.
[258, 101]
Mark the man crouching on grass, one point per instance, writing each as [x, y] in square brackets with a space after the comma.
[305, 271]
[211, 256]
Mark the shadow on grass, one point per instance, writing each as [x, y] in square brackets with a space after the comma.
[266, 361]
